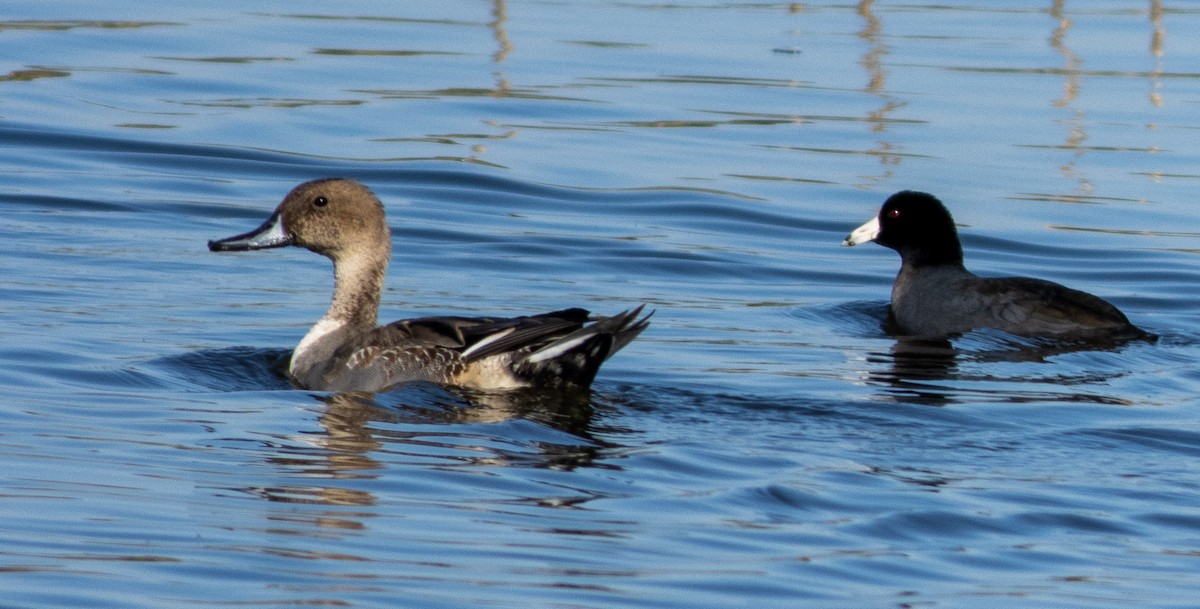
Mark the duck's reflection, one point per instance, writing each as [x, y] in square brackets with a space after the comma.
[421, 403]
[315, 495]
[433, 426]
[443, 421]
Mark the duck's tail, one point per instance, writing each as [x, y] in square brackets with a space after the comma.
[575, 358]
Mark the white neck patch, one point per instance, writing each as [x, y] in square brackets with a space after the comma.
[321, 329]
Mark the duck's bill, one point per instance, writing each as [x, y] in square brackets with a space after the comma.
[866, 232]
[270, 234]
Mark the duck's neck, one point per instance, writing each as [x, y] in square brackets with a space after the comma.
[357, 289]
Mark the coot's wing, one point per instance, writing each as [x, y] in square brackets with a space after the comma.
[1034, 307]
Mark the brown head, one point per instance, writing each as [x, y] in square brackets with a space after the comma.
[338, 218]
[334, 217]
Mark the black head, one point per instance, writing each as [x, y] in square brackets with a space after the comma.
[918, 226]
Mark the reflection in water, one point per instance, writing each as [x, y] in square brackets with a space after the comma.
[1156, 49]
[872, 60]
[910, 365]
[70, 24]
[33, 74]
[504, 48]
[356, 424]
[419, 403]
[1072, 70]
[313, 495]
[563, 439]
[1076, 124]
[503, 89]
[347, 439]
[431, 426]
[915, 370]
[1071, 61]
[499, 19]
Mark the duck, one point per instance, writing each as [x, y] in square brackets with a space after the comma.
[347, 351]
[934, 295]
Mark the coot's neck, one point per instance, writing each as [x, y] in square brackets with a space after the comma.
[948, 253]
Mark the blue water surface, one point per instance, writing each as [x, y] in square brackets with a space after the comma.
[764, 443]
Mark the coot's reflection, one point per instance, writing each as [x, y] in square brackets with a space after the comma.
[908, 367]
[939, 371]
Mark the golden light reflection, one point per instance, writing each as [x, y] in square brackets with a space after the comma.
[1076, 122]
[886, 151]
[499, 19]
[1071, 61]
[872, 60]
[504, 47]
[32, 74]
[1157, 36]
[1077, 134]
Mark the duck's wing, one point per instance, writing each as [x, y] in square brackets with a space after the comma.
[575, 358]
[477, 337]
[521, 333]
[551, 348]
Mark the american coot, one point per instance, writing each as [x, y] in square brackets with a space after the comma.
[346, 351]
[935, 295]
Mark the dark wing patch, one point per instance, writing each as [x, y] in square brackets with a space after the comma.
[478, 337]
[1024, 305]
[522, 332]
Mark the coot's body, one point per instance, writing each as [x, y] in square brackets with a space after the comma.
[935, 295]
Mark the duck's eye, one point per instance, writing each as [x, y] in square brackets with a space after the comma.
[893, 213]
[320, 201]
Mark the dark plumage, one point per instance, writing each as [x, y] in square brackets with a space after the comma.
[935, 295]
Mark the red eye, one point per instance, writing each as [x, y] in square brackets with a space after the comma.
[893, 213]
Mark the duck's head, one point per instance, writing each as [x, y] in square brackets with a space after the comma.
[330, 216]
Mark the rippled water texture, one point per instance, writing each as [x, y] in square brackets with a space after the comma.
[765, 443]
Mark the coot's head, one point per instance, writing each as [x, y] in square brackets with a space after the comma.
[915, 224]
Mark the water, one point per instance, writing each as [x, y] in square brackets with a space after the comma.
[764, 443]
